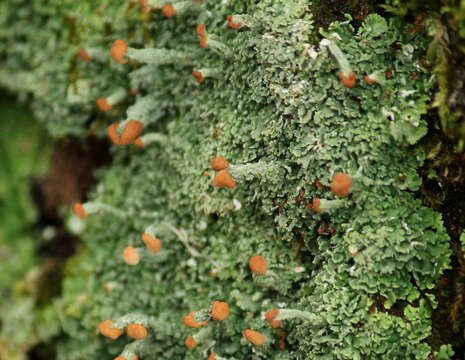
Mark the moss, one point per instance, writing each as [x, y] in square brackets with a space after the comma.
[445, 22]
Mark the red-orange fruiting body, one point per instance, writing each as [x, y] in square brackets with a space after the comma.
[316, 205]
[112, 132]
[152, 243]
[200, 30]
[131, 256]
[369, 80]
[203, 43]
[136, 331]
[168, 10]
[258, 265]
[223, 179]
[341, 184]
[118, 50]
[269, 317]
[143, 6]
[190, 321]
[79, 210]
[282, 344]
[235, 26]
[103, 104]
[106, 330]
[212, 356]
[119, 358]
[254, 337]
[220, 310]
[84, 55]
[198, 76]
[132, 131]
[219, 163]
[190, 342]
[349, 81]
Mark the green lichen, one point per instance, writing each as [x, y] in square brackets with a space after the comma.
[444, 21]
[279, 113]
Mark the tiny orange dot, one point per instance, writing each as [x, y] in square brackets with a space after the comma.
[190, 342]
[203, 43]
[219, 163]
[341, 184]
[84, 55]
[168, 10]
[235, 26]
[198, 76]
[369, 80]
[316, 205]
[79, 210]
[131, 256]
[190, 321]
[258, 265]
[220, 310]
[201, 30]
[118, 50]
[349, 81]
[223, 179]
[136, 331]
[254, 337]
[269, 317]
[143, 6]
[108, 331]
[132, 131]
[112, 132]
[103, 104]
[152, 243]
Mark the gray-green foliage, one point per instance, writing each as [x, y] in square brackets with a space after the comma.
[278, 101]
